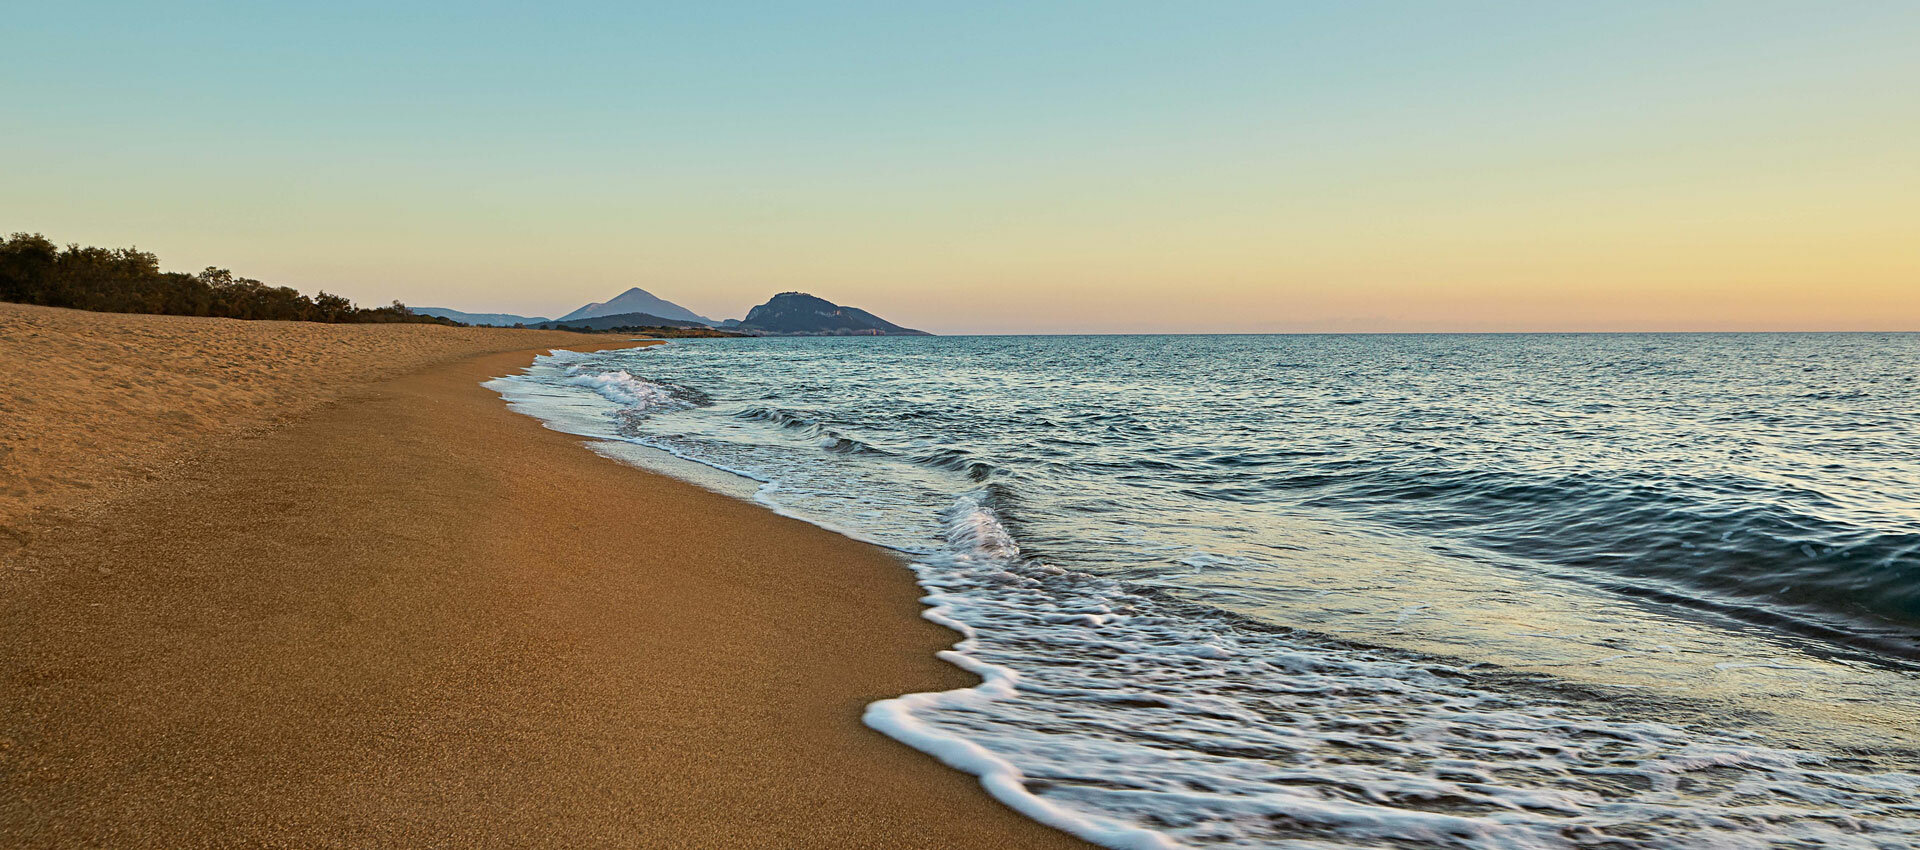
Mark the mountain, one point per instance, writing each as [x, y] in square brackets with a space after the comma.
[504, 320]
[800, 314]
[622, 320]
[637, 300]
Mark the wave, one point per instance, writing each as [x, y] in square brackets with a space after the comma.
[958, 460]
[1136, 721]
[621, 388]
[823, 436]
[776, 416]
[1746, 549]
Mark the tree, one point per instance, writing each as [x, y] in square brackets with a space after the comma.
[328, 307]
[26, 267]
[128, 280]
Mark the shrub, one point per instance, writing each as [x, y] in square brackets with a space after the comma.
[127, 280]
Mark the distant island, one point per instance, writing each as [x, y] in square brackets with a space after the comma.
[639, 311]
[800, 314]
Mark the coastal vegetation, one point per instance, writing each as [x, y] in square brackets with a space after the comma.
[33, 270]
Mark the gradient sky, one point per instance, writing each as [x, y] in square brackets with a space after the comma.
[1017, 167]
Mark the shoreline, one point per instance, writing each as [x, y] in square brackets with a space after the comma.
[411, 615]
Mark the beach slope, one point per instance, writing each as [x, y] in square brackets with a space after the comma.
[398, 614]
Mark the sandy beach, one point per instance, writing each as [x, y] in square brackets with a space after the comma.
[273, 584]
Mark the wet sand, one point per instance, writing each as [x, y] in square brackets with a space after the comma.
[398, 614]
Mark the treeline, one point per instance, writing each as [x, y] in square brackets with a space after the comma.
[125, 280]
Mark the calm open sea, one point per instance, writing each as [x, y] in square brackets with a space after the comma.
[1330, 591]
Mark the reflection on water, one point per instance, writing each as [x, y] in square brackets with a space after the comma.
[1391, 593]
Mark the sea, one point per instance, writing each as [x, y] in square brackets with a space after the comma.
[1475, 591]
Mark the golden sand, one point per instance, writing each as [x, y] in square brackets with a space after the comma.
[404, 616]
[92, 401]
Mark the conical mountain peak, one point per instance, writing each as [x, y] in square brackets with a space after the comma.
[637, 300]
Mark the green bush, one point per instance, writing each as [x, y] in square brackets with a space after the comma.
[127, 280]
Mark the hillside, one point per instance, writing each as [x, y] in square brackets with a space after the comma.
[620, 320]
[497, 320]
[800, 314]
[636, 300]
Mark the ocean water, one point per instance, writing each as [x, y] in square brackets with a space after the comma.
[1483, 591]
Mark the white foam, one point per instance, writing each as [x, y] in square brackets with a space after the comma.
[979, 534]
[896, 719]
[624, 389]
[1196, 732]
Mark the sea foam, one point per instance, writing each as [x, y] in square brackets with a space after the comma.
[1133, 723]
[624, 389]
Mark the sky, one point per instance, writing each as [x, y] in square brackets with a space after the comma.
[1002, 168]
